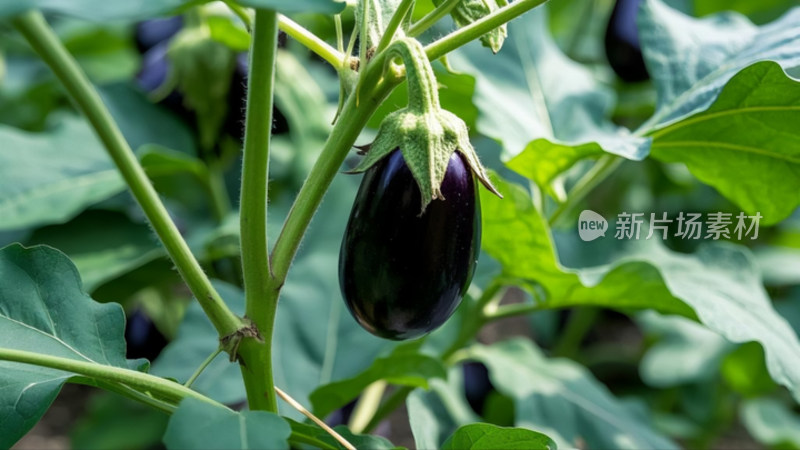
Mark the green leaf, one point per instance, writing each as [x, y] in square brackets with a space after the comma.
[435, 414]
[102, 245]
[47, 178]
[750, 129]
[226, 31]
[198, 424]
[561, 399]
[744, 371]
[107, 424]
[690, 59]
[484, 436]
[143, 122]
[365, 441]
[771, 423]
[549, 105]
[404, 366]
[94, 10]
[297, 6]
[719, 284]
[44, 310]
[763, 10]
[699, 350]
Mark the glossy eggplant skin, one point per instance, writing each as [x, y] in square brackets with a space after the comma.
[403, 273]
[623, 50]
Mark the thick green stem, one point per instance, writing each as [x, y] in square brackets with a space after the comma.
[343, 136]
[143, 382]
[462, 36]
[41, 37]
[432, 17]
[256, 354]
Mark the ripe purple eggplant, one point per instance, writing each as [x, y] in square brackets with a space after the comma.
[623, 50]
[402, 272]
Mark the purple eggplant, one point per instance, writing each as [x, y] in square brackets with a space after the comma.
[623, 50]
[402, 272]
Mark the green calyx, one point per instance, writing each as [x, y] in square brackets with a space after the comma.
[468, 11]
[203, 69]
[426, 134]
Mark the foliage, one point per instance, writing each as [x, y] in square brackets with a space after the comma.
[653, 343]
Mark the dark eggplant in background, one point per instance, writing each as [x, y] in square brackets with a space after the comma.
[142, 337]
[622, 46]
[403, 273]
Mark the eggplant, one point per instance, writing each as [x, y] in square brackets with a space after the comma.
[623, 49]
[403, 272]
[142, 337]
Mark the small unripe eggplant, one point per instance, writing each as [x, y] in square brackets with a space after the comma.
[403, 272]
[623, 50]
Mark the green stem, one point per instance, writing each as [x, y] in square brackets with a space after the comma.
[394, 23]
[143, 382]
[128, 392]
[220, 203]
[344, 134]
[604, 167]
[366, 407]
[462, 36]
[311, 41]
[388, 406]
[260, 305]
[432, 17]
[580, 323]
[44, 41]
[202, 367]
[516, 309]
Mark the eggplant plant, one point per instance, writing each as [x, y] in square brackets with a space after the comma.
[519, 241]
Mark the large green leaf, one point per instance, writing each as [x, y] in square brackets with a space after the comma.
[720, 284]
[46, 177]
[532, 97]
[404, 366]
[561, 399]
[691, 59]
[484, 436]
[747, 144]
[44, 310]
[197, 424]
[102, 245]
